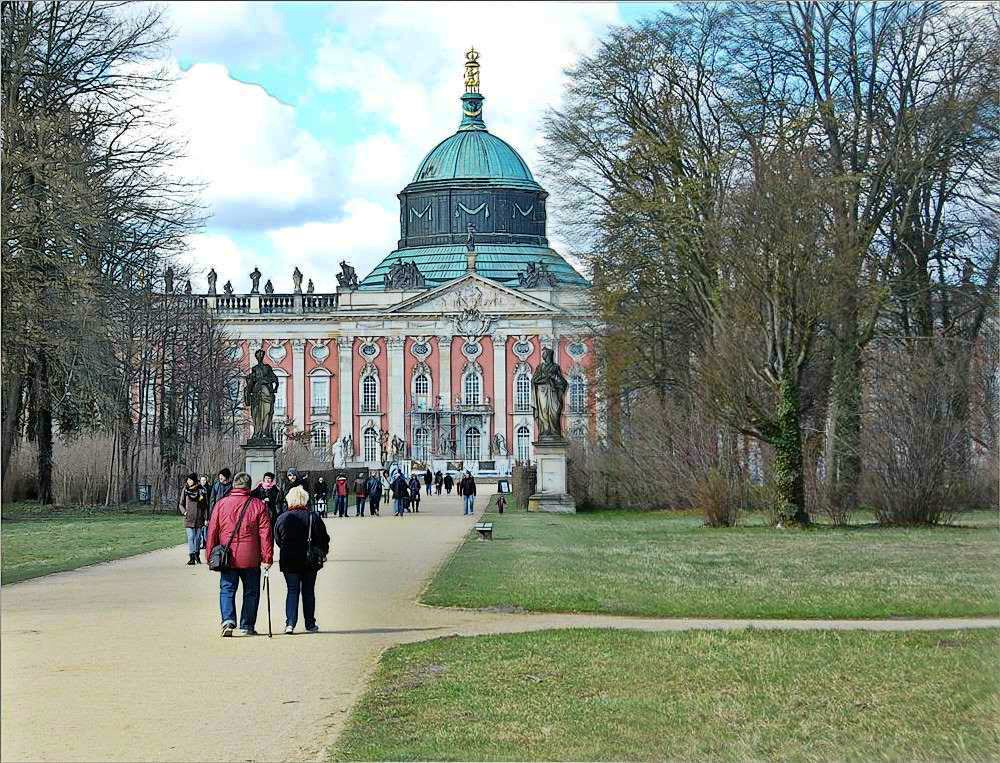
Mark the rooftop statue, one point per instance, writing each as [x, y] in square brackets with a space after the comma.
[168, 280]
[404, 275]
[187, 286]
[258, 395]
[536, 276]
[255, 281]
[472, 71]
[212, 278]
[347, 277]
[228, 288]
[310, 288]
[549, 387]
[297, 280]
[269, 287]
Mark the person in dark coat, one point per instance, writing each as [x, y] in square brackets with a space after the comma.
[292, 536]
[467, 488]
[269, 492]
[449, 483]
[438, 481]
[414, 485]
[360, 494]
[249, 549]
[320, 493]
[400, 494]
[223, 484]
[374, 493]
[428, 480]
[194, 506]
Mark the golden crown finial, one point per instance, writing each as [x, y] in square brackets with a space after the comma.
[472, 71]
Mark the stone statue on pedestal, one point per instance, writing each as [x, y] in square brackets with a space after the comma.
[255, 281]
[297, 280]
[549, 387]
[228, 288]
[168, 280]
[310, 288]
[347, 277]
[258, 395]
[269, 287]
[187, 286]
[212, 278]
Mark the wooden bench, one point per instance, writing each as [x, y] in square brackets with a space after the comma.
[485, 530]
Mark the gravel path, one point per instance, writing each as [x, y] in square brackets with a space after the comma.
[123, 661]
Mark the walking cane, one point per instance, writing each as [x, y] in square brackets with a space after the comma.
[267, 590]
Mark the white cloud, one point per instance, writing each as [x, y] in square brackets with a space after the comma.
[260, 168]
[363, 237]
[225, 31]
[219, 251]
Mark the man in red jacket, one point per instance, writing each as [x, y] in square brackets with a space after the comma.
[249, 547]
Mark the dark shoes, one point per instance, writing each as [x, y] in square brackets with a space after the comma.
[191, 559]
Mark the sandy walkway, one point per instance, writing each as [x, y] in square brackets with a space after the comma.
[123, 661]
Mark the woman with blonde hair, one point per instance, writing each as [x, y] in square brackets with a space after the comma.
[304, 544]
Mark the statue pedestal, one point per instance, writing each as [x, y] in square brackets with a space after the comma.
[259, 459]
[552, 496]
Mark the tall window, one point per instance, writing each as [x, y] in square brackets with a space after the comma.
[523, 443]
[577, 394]
[319, 389]
[319, 436]
[370, 440]
[369, 394]
[278, 429]
[421, 442]
[473, 443]
[281, 397]
[473, 389]
[421, 391]
[522, 392]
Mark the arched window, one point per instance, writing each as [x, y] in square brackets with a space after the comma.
[421, 443]
[319, 437]
[319, 394]
[473, 388]
[281, 397]
[473, 443]
[370, 444]
[522, 392]
[577, 394]
[421, 391]
[369, 394]
[523, 443]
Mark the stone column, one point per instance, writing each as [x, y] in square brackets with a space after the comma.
[299, 380]
[500, 385]
[394, 345]
[345, 357]
[444, 374]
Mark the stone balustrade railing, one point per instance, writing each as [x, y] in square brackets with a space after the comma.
[266, 304]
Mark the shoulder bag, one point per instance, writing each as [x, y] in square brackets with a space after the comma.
[219, 560]
[315, 558]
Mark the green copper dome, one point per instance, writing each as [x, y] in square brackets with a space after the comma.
[473, 153]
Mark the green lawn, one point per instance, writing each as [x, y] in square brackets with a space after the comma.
[626, 695]
[669, 565]
[37, 540]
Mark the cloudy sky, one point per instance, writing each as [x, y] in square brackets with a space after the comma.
[305, 119]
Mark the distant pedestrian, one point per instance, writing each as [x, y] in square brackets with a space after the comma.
[360, 494]
[386, 485]
[340, 496]
[414, 485]
[400, 494]
[193, 505]
[270, 494]
[501, 503]
[438, 481]
[223, 484]
[248, 549]
[292, 479]
[428, 480]
[321, 491]
[374, 488]
[467, 488]
[449, 483]
[296, 530]
[207, 487]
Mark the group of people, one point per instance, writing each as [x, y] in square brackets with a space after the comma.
[250, 522]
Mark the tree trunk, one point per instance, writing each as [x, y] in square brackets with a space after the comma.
[843, 433]
[787, 441]
[43, 428]
[13, 393]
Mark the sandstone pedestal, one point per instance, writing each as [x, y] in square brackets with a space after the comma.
[552, 495]
[259, 459]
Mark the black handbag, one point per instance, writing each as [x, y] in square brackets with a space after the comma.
[315, 558]
[219, 559]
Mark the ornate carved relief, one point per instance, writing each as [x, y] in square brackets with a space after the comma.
[276, 351]
[472, 349]
[369, 348]
[523, 347]
[319, 349]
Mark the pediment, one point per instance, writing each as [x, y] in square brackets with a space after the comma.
[473, 292]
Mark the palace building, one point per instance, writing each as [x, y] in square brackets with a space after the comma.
[434, 349]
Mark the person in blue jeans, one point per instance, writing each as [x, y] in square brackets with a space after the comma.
[291, 533]
[241, 521]
[400, 494]
[467, 488]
